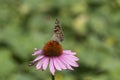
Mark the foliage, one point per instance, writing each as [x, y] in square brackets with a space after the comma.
[91, 29]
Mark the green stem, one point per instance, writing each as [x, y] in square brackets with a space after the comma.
[53, 77]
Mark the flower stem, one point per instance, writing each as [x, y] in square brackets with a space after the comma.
[53, 77]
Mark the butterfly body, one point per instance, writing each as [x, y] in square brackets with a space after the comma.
[58, 34]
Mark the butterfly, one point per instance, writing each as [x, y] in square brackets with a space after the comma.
[58, 33]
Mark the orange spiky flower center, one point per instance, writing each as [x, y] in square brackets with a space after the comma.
[52, 48]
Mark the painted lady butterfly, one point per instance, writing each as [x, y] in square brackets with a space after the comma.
[58, 34]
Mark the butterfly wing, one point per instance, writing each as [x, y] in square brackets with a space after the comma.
[58, 34]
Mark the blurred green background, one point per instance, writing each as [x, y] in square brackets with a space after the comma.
[91, 28]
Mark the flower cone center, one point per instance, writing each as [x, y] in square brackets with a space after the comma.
[52, 48]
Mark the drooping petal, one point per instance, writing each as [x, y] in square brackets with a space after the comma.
[40, 63]
[70, 61]
[69, 67]
[57, 66]
[45, 64]
[62, 65]
[38, 58]
[65, 63]
[37, 52]
[52, 69]
[72, 57]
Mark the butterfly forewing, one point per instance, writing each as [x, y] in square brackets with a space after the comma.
[58, 31]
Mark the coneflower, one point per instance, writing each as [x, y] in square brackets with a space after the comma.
[53, 55]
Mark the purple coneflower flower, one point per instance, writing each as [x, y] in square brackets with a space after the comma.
[53, 55]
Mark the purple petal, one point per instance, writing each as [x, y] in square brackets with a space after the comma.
[62, 65]
[52, 69]
[68, 52]
[72, 57]
[45, 64]
[57, 66]
[65, 63]
[37, 52]
[69, 67]
[69, 61]
[38, 58]
[40, 63]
